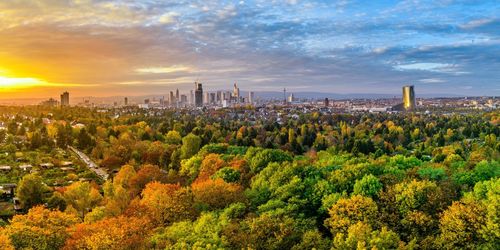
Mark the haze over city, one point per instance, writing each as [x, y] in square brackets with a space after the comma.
[109, 48]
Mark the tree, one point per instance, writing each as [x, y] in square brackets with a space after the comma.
[312, 239]
[209, 166]
[361, 236]
[460, 225]
[168, 203]
[266, 156]
[173, 137]
[204, 233]
[56, 201]
[31, 191]
[119, 192]
[216, 193]
[190, 145]
[274, 232]
[5, 242]
[146, 174]
[40, 228]
[227, 174]
[122, 232]
[368, 186]
[82, 197]
[36, 140]
[84, 139]
[418, 195]
[349, 211]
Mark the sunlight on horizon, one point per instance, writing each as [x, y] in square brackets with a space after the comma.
[19, 82]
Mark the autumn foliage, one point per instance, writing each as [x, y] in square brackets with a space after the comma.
[120, 232]
[168, 203]
[217, 193]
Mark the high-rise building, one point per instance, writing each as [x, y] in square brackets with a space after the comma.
[206, 99]
[65, 99]
[198, 95]
[251, 97]
[236, 93]
[219, 97]
[284, 96]
[291, 98]
[409, 98]
[191, 97]
[172, 98]
[226, 95]
[177, 95]
[326, 102]
[125, 101]
[212, 98]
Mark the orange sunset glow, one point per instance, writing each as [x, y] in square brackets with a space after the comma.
[103, 48]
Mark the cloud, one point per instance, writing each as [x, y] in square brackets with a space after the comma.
[433, 67]
[168, 18]
[369, 46]
[432, 80]
[164, 70]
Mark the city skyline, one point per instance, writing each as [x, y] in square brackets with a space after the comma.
[103, 48]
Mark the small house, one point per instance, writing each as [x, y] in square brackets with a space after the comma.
[46, 165]
[5, 168]
[26, 167]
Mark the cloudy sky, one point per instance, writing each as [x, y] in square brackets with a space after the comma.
[103, 48]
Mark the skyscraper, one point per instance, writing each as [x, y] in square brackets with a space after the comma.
[172, 98]
[206, 99]
[198, 95]
[177, 95]
[125, 101]
[409, 98]
[284, 96]
[213, 98]
[65, 99]
[250, 97]
[236, 93]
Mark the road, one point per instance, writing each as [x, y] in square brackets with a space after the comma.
[90, 164]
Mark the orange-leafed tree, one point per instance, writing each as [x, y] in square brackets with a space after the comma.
[168, 203]
[122, 232]
[210, 164]
[146, 174]
[5, 242]
[40, 228]
[216, 193]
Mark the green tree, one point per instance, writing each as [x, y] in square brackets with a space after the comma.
[30, 191]
[368, 186]
[266, 156]
[82, 197]
[190, 145]
[173, 137]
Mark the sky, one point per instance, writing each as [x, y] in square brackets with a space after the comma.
[109, 48]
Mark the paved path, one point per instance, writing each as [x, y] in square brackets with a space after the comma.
[90, 164]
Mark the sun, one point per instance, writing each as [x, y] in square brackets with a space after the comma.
[18, 82]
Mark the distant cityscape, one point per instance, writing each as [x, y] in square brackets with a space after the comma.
[198, 98]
